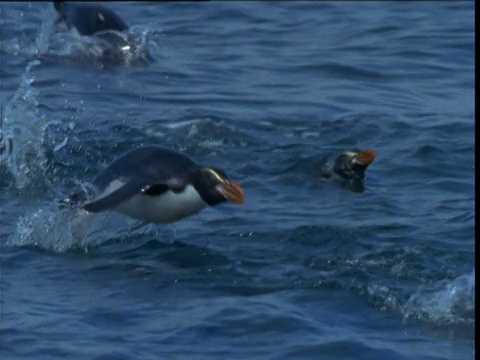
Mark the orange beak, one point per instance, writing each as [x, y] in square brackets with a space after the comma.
[232, 191]
[365, 157]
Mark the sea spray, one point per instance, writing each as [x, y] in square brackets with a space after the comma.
[449, 302]
[23, 128]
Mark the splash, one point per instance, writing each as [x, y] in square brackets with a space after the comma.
[25, 46]
[47, 229]
[51, 228]
[22, 133]
[448, 303]
[46, 30]
[106, 47]
[138, 38]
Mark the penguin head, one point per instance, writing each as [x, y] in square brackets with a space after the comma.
[87, 19]
[363, 158]
[360, 161]
[352, 164]
[215, 187]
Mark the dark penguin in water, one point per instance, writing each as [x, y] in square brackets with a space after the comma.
[99, 22]
[159, 185]
[347, 167]
[88, 19]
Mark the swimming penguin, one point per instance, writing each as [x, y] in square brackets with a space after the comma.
[348, 167]
[159, 185]
[108, 28]
[88, 19]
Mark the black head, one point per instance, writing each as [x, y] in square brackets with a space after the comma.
[59, 6]
[215, 187]
[347, 170]
[88, 19]
[351, 165]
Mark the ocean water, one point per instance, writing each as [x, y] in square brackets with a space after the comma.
[305, 269]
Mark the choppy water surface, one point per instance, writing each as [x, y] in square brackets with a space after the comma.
[306, 269]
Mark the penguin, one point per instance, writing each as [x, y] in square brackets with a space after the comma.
[103, 24]
[158, 185]
[348, 168]
[88, 19]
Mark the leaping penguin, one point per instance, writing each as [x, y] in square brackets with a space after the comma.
[158, 185]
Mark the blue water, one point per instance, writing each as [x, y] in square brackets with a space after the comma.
[305, 269]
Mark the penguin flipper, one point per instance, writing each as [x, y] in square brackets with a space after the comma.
[114, 198]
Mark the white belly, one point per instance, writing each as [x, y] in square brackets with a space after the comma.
[165, 208]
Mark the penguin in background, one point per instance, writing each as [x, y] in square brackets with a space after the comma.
[88, 19]
[347, 168]
[100, 22]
